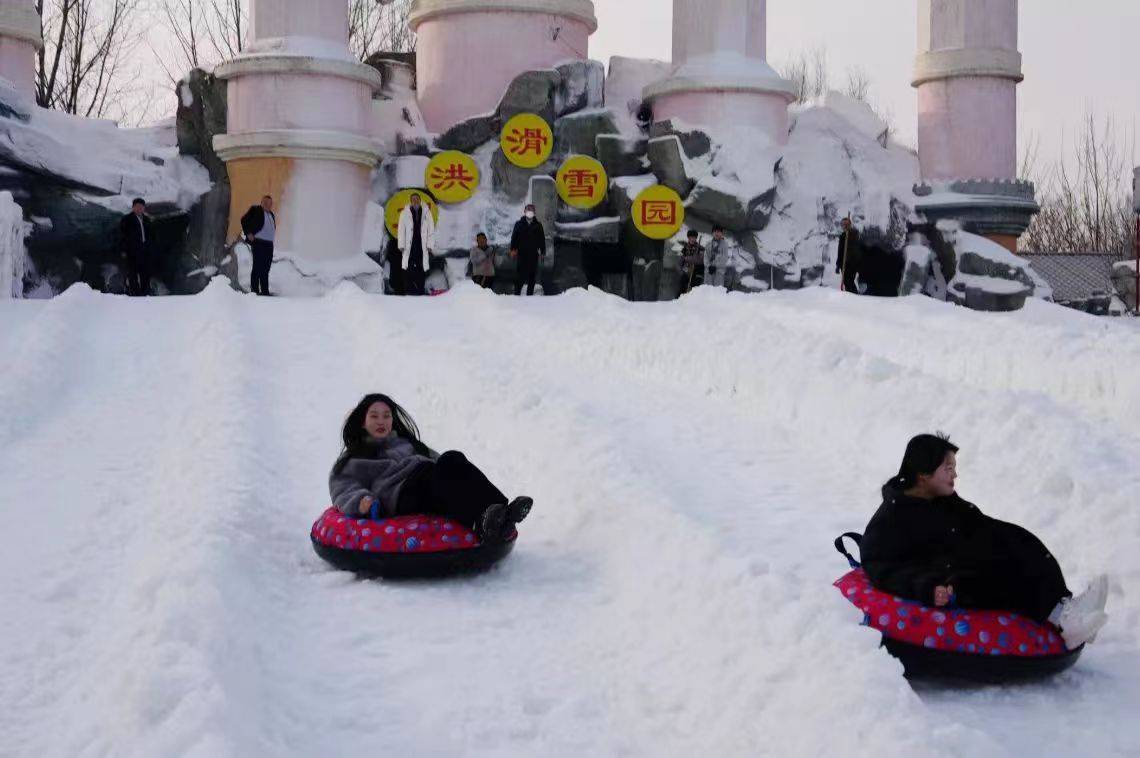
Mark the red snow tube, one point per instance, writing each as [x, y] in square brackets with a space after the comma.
[958, 643]
[403, 547]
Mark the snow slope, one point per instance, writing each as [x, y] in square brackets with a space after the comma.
[161, 461]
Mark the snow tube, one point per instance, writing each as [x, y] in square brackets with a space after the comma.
[987, 646]
[403, 547]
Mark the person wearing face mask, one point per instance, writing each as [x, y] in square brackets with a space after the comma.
[928, 545]
[416, 240]
[528, 247]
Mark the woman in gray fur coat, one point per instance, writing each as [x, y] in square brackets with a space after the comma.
[385, 471]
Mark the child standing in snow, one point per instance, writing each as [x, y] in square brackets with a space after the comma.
[692, 263]
[483, 262]
[928, 545]
[719, 270]
[385, 471]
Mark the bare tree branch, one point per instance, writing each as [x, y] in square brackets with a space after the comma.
[1086, 199]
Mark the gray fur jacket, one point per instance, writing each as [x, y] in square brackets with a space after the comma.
[382, 474]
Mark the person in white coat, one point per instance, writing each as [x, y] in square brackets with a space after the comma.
[416, 240]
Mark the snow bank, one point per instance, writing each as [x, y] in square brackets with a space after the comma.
[112, 164]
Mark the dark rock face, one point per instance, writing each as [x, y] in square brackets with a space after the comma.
[668, 165]
[531, 92]
[695, 142]
[726, 206]
[622, 156]
[201, 115]
[605, 230]
[576, 134]
[582, 87]
[467, 135]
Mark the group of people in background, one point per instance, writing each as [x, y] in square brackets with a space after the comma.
[713, 265]
[411, 253]
[141, 252]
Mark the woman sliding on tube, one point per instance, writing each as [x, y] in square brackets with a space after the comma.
[928, 545]
[385, 471]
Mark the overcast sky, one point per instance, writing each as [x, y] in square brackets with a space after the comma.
[1078, 54]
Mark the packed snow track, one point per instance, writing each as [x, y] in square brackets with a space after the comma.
[161, 461]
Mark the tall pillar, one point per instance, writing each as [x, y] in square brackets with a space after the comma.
[20, 40]
[299, 124]
[468, 51]
[720, 74]
[966, 74]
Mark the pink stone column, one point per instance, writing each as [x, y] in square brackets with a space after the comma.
[720, 73]
[300, 127]
[967, 72]
[19, 42]
[468, 51]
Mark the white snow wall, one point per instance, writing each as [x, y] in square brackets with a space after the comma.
[13, 254]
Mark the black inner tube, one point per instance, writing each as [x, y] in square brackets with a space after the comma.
[415, 565]
[924, 663]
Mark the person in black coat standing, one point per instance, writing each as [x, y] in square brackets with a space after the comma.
[928, 545]
[135, 242]
[528, 246]
[259, 225]
[851, 254]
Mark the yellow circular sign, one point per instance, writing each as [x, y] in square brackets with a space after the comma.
[582, 182]
[658, 212]
[527, 140]
[452, 177]
[399, 201]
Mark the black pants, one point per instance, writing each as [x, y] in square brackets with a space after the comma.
[396, 273]
[692, 279]
[1005, 567]
[138, 274]
[451, 487]
[486, 282]
[527, 273]
[262, 261]
[849, 283]
[415, 278]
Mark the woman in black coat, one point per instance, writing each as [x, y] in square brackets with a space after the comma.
[928, 545]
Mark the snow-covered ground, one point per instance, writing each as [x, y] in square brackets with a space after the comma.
[161, 462]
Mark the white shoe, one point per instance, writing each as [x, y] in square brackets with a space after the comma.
[1077, 628]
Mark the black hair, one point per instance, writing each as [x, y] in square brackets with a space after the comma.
[718, 228]
[354, 436]
[693, 233]
[481, 234]
[138, 201]
[924, 455]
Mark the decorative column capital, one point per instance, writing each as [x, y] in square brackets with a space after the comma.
[996, 63]
[20, 21]
[580, 10]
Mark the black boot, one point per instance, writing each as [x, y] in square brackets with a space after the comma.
[519, 509]
[492, 524]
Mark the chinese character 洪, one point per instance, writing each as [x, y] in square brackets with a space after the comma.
[454, 175]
